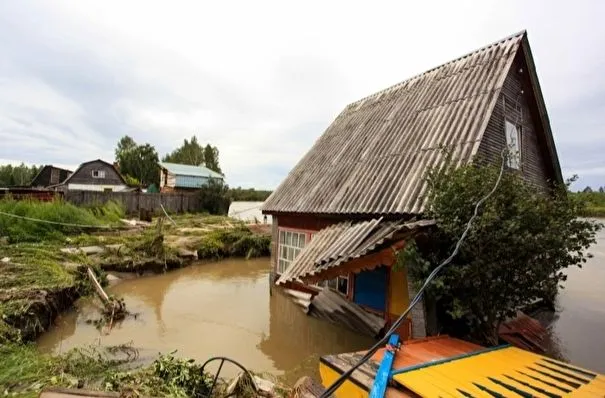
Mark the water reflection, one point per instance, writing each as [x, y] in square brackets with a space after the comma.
[221, 308]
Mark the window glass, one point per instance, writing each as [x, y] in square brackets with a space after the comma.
[290, 245]
[513, 142]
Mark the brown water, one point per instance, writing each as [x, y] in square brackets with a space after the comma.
[205, 310]
[224, 308]
[580, 325]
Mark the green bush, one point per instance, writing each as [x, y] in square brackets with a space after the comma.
[69, 219]
[251, 246]
[214, 198]
[238, 242]
[516, 251]
[211, 248]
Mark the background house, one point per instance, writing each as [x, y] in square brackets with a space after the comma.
[50, 175]
[350, 202]
[96, 175]
[183, 177]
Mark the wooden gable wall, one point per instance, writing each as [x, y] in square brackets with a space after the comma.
[517, 104]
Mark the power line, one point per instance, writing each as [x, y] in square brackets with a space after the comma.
[54, 222]
[418, 295]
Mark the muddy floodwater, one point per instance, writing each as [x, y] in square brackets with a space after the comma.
[579, 326]
[205, 310]
[224, 309]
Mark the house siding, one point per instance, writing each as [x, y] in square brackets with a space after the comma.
[50, 176]
[83, 176]
[514, 106]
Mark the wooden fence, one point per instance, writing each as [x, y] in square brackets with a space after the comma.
[133, 202]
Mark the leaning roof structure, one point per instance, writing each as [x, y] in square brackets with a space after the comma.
[372, 159]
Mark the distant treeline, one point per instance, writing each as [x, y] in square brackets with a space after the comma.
[22, 175]
[248, 195]
[594, 201]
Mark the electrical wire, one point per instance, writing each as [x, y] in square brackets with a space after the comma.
[334, 386]
[55, 222]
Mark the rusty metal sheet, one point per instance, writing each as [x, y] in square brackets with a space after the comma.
[525, 332]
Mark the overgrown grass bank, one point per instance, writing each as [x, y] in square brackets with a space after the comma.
[36, 283]
[64, 216]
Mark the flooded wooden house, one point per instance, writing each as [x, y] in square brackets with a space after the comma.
[357, 196]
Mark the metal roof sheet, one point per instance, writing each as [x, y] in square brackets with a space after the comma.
[339, 243]
[188, 170]
[372, 158]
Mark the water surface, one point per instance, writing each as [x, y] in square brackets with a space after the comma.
[224, 308]
[216, 309]
[580, 325]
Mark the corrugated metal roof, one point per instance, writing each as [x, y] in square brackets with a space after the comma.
[188, 170]
[335, 308]
[339, 243]
[373, 157]
[500, 372]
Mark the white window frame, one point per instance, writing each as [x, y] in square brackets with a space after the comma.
[290, 245]
[513, 143]
[98, 174]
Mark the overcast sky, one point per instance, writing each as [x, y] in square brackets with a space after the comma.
[262, 80]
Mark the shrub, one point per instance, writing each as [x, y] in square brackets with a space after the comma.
[214, 198]
[515, 252]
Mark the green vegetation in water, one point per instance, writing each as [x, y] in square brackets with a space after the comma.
[593, 202]
[516, 251]
[56, 211]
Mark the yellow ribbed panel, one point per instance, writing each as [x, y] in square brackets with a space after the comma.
[504, 372]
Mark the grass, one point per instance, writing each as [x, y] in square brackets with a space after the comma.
[58, 211]
[237, 242]
[24, 373]
[35, 284]
[594, 203]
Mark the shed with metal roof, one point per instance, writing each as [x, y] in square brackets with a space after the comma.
[175, 176]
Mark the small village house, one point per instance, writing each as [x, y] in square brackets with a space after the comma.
[96, 175]
[357, 196]
[50, 175]
[185, 178]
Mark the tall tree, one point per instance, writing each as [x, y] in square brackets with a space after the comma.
[191, 152]
[21, 175]
[139, 162]
[211, 158]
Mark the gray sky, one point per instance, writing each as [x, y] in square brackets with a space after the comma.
[262, 80]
